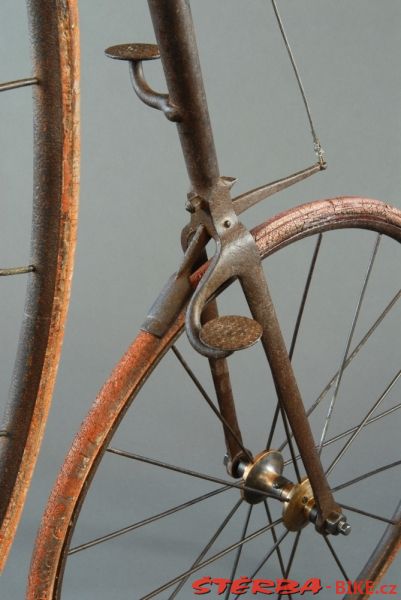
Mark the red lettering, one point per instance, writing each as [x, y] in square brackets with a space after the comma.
[287, 586]
[222, 584]
[240, 586]
[340, 587]
[369, 587]
[313, 585]
[263, 586]
[199, 585]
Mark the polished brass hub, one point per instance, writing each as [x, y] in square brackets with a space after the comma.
[297, 511]
[264, 476]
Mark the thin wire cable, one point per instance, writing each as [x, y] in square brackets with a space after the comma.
[316, 142]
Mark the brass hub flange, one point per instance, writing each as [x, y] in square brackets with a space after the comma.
[263, 474]
[297, 511]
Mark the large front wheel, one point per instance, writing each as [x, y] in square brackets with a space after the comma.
[173, 516]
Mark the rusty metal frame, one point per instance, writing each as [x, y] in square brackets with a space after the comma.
[55, 49]
[214, 215]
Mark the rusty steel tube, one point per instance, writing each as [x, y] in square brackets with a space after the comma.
[173, 25]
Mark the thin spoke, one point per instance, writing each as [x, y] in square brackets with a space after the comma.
[274, 536]
[339, 436]
[16, 271]
[317, 146]
[368, 514]
[239, 550]
[351, 356]
[366, 475]
[211, 560]
[362, 424]
[266, 558]
[12, 85]
[206, 549]
[273, 427]
[164, 465]
[292, 348]
[205, 395]
[147, 521]
[339, 564]
[291, 559]
[349, 340]
[305, 294]
[290, 444]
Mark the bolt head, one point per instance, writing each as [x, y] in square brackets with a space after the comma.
[344, 528]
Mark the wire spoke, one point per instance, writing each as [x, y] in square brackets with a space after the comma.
[16, 271]
[206, 549]
[362, 424]
[209, 401]
[239, 550]
[291, 559]
[18, 83]
[368, 514]
[204, 476]
[351, 356]
[366, 475]
[334, 554]
[211, 560]
[266, 558]
[339, 436]
[162, 515]
[274, 536]
[349, 340]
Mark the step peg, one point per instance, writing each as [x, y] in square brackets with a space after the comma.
[133, 52]
[231, 333]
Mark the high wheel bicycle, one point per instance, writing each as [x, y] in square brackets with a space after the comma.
[271, 457]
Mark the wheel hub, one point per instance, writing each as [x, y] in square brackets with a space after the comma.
[265, 476]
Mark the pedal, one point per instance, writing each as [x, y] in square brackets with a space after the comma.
[231, 333]
[133, 52]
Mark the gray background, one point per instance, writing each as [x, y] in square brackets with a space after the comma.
[132, 198]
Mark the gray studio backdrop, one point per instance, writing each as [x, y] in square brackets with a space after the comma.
[132, 197]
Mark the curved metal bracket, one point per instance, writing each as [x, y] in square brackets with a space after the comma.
[148, 95]
[135, 54]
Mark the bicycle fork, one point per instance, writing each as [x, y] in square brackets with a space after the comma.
[215, 215]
